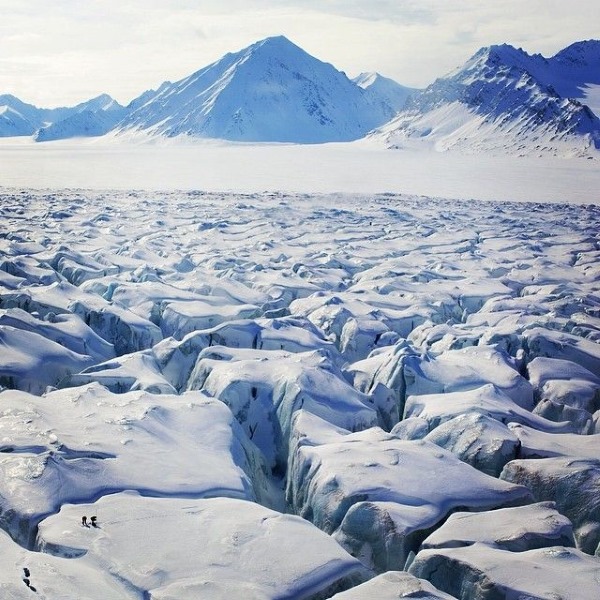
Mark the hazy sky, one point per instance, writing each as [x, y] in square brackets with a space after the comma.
[57, 52]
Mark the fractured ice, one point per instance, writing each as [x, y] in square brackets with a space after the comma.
[417, 379]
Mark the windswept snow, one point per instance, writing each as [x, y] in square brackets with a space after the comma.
[79, 444]
[136, 163]
[202, 549]
[483, 573]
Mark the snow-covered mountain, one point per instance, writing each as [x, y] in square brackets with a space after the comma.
[81, 124]
[18, 117]
[13, 123]
[270, 91]
[502, 100]
[506, 100]
[92, 118]
[575, 73]
[385, 90]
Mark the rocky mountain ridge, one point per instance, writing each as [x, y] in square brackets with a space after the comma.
[501, 100]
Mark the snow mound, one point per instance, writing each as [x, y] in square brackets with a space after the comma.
[393, 585]
[208, 548]
[31, 362]
[466, 370]
[477, 439]
[380, 495]
[572, 484]
[485, 573]
[486, 400]
[516, 529]
[539, 444]
[76, 445]
[25, 573]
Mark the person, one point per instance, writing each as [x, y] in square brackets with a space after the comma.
[93, 521]
[84, 521]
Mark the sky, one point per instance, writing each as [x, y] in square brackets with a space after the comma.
[61, 52]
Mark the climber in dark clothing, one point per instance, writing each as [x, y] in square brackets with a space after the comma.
[93, 521]
[84, 521]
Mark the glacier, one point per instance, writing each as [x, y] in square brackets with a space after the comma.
[297, 395]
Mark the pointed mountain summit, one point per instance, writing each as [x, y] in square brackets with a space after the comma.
[270, 91]
[92, 118]
[584, 54]
[505, 101]
[17, 117]
[576, 73]
[103, 102]
[384, 89]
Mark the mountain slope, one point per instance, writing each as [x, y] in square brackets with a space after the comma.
[13, 123]
[82, 124]
[17, 117]
[94, 117]
[506, 101]
[385, 90]
[271, 91]
[576, 73]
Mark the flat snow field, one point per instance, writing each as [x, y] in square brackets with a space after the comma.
[362, 166]
[297, 395]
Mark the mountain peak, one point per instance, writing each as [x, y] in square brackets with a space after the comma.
[498, 55]
[504, 99]
[384, 90]
[278, 47]
[8, 99]
[275, 41]
[366, 79]
[272, 90]
[277, 44]
[585, 52]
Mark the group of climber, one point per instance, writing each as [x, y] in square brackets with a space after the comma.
[27, 573]
[27, 580]
[93, 521]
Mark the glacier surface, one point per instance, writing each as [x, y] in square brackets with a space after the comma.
[294, 395]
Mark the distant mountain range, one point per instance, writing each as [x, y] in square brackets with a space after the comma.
[505, 100]
[383, 89]
[501, 100]
[18, 118]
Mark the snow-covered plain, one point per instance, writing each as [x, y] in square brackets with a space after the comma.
[418, 379]
[364, 166]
